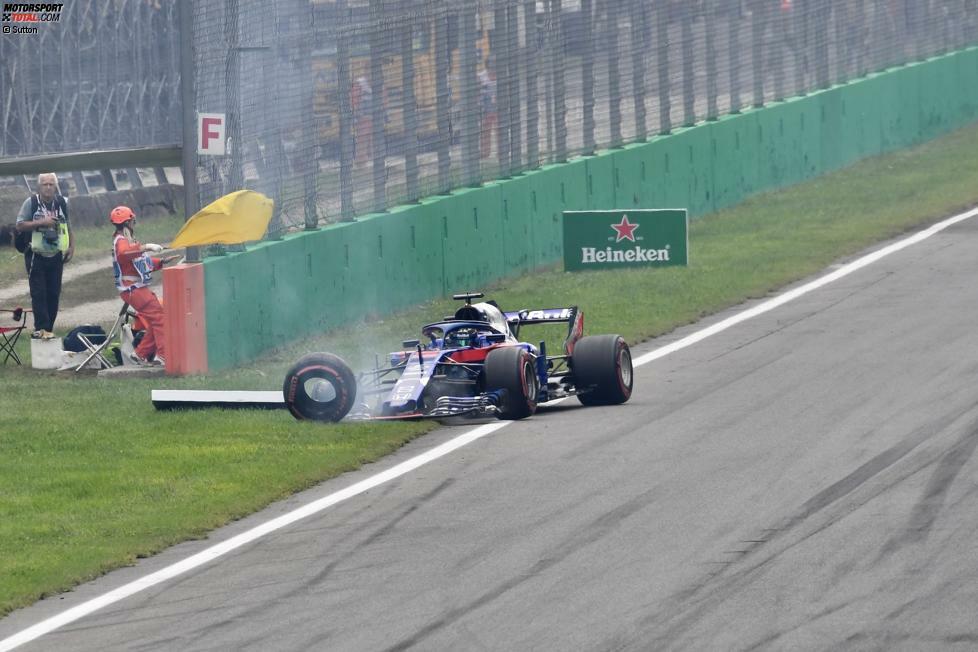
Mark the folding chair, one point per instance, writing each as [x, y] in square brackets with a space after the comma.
[10, 329]
[96, 349]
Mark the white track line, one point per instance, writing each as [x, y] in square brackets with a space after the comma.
[220, 549]
[790, 295]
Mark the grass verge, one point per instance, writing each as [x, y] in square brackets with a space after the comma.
[91, 477]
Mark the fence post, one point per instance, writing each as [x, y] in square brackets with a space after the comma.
[547, 53]
[272, 135]
[345, 110]
[232, 97]
[799, 35]
[757, 53]
[470, 98]
[638, 39]
[587, 75]
[662, 62]
[409, 108]
[733, 53]
[378, 43]
[609, 44]
[822, 45]
[108, 180]
[689, 91]
[532, 73]
[499, 65]
[191, 198]
[778, 48]
[81, 185]
[709, 36]
[560, 97]
[443, 98]
[515, 111]
[308, 160]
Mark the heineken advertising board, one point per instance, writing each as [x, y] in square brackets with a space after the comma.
[625, 238]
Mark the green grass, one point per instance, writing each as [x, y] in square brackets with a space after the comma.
[92, 477]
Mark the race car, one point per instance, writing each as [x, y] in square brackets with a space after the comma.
[471, 363]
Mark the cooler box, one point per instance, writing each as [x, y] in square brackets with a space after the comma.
[46, 354]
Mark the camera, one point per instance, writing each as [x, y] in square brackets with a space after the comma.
[50, 236]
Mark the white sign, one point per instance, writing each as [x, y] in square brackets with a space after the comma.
[210, 133]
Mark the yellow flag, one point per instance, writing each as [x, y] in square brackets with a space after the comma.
[238, 217]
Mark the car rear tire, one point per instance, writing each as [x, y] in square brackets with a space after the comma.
[320, 387]
[602, 367]
[514, 370]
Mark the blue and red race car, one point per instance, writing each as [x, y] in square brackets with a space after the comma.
[472, 363]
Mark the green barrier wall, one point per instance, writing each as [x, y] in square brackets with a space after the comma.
[309, 282]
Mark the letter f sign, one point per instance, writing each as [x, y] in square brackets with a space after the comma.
[210, 130]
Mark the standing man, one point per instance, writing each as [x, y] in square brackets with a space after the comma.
[45, 214]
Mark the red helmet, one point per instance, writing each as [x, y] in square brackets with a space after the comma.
[121, 214]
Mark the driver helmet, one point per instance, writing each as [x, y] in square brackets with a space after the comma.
[461, 337]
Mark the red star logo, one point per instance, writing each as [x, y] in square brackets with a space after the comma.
[625, 229]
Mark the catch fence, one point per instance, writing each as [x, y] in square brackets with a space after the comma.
[96, 75]
[339, 108]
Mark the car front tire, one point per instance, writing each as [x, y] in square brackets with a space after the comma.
[513, 369]
[320, 387]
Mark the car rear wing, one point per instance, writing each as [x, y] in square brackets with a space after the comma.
[572, 316]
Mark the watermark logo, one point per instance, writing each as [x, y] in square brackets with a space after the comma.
[22, 18]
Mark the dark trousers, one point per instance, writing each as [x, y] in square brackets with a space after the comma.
[44, 277]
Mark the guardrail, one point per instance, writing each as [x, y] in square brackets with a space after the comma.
[104, 161]
[91, 207]
[165, 156]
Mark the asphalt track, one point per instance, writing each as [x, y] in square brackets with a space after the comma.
[801, 480]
